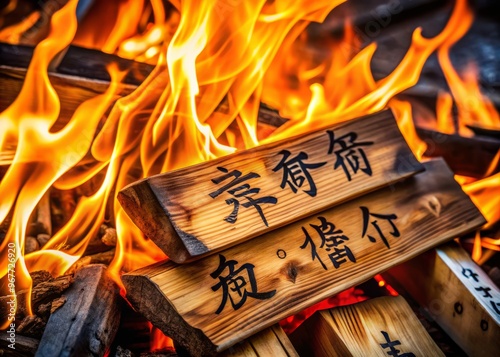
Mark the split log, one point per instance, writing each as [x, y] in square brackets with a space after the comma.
[24, 346]
[269, 342]
[376, 327]
[183, 211]
[222, 299]
[457, 294]
[86, 324]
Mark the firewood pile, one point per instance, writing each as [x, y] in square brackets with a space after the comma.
[340, 240]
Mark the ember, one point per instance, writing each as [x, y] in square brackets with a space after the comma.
[72, 137]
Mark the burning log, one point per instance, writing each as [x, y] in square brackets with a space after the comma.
[86, 324]
[278, 274]
[180, 210]
[375, 327]
[103, 241]
[466, 156]
[269, 342]
[456, 293]
[31, 326]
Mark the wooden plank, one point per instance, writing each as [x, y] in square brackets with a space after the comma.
[269, 342]
[457, 294]
[375, 327]
[87, 322]
[196, 211]
[198, 304]
[466, 156]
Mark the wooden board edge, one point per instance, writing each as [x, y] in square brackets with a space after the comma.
[164, 314]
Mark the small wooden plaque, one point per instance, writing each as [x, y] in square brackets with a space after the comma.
[222, 299]
[457, 294]
[375, 327]
[202, 209]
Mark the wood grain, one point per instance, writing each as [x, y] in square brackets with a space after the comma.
[182, 300]
[269, 342]
[441, 282]
[185, 216]
[356, 330]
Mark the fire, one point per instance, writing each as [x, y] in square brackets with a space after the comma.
[215, 63]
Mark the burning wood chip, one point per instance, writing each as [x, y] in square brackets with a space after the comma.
[279, 273]
[57, 303]
[99, 258]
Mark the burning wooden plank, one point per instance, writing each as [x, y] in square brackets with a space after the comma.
[458, 295]
[87, 322]
[197, 211]
[379, 326]
[466, 156]
[218, 301]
